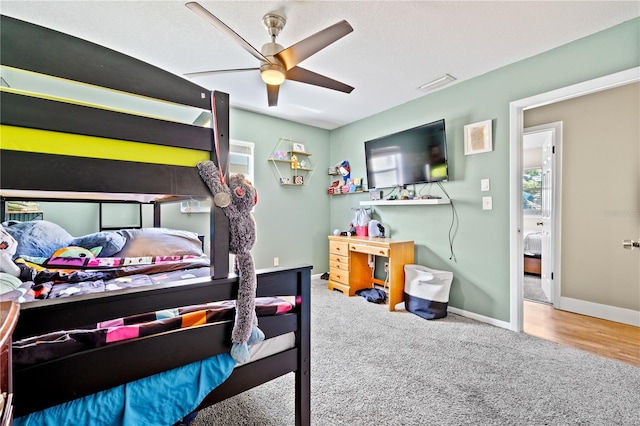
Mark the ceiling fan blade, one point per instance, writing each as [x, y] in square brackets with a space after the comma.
[293, 55]
[272, 94]
[205, 73]
[305, 76]
[209, 17]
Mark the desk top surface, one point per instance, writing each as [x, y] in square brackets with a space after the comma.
[367, 240]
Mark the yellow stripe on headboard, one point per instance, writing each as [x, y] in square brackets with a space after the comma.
[48, 142]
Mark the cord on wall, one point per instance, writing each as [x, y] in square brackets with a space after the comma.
[453, 229]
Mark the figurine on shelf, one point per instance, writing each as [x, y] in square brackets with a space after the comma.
[295, 164]
[345, 170]
[280, 155]
[334, 188]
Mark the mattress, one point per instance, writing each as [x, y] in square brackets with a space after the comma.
[272, 346]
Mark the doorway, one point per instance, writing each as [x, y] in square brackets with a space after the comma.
[517, 109]
[540, 177]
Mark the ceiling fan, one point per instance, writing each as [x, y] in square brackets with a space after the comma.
[278, 64]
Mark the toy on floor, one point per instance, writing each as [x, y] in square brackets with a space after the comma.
[237, 199]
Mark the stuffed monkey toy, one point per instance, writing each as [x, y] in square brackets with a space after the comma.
[236, 200]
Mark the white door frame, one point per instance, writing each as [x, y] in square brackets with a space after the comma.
[516, 129]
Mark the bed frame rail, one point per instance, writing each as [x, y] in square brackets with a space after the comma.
[44, 316]
[68, 378]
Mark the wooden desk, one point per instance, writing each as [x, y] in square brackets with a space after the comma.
[349, 269]
[8, 318]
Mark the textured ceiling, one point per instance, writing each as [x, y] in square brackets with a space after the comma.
[396, 46]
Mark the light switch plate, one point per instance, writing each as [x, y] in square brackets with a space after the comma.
[487, 203]
[484, 185]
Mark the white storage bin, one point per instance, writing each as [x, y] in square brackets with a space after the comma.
[426, 291]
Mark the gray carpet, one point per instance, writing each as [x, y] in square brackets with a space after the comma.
[374, 367]
[533, 289]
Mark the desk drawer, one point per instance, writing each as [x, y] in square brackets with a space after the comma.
[341, 266]
[338, 258]
[339, 276]
[339, 247]
[370, 249]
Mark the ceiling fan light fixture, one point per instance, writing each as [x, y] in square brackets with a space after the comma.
[272, 74]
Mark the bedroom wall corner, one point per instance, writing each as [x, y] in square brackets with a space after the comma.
[292, 222]
[482, 268]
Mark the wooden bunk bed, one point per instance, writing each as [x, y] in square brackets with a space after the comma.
[36, 170]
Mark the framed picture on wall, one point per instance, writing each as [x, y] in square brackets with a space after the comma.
[478, 138]
[297, 147]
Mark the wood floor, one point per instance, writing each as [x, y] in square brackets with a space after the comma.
[604, 338]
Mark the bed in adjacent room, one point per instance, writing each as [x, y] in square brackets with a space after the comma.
[533, 253]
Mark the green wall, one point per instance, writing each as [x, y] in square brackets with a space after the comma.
[293, 222]
[481, 244]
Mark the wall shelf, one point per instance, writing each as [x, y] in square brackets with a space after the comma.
[347, 193]
[292, 165]
[427, 201]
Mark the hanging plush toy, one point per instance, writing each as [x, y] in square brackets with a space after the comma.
[237, 200]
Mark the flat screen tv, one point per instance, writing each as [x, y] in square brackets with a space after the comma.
[412, 156]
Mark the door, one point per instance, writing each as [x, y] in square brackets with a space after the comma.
[633, 240]
[546, 224]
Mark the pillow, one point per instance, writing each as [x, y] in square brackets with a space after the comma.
[159, 242]
[41, 238]
[8, 283]
[38, 238]
[110, 241]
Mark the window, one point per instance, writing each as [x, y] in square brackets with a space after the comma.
[532, 191]
[241, 159]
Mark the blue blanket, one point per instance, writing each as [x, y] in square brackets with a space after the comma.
[161, 399]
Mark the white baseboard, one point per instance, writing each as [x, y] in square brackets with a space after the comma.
[611, 313]
[478, 317]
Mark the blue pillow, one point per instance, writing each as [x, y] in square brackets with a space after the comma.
[38, 238]
[110, 241]
[41, 238]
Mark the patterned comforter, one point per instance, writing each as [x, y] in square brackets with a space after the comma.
[60, 343]
[68, 276]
